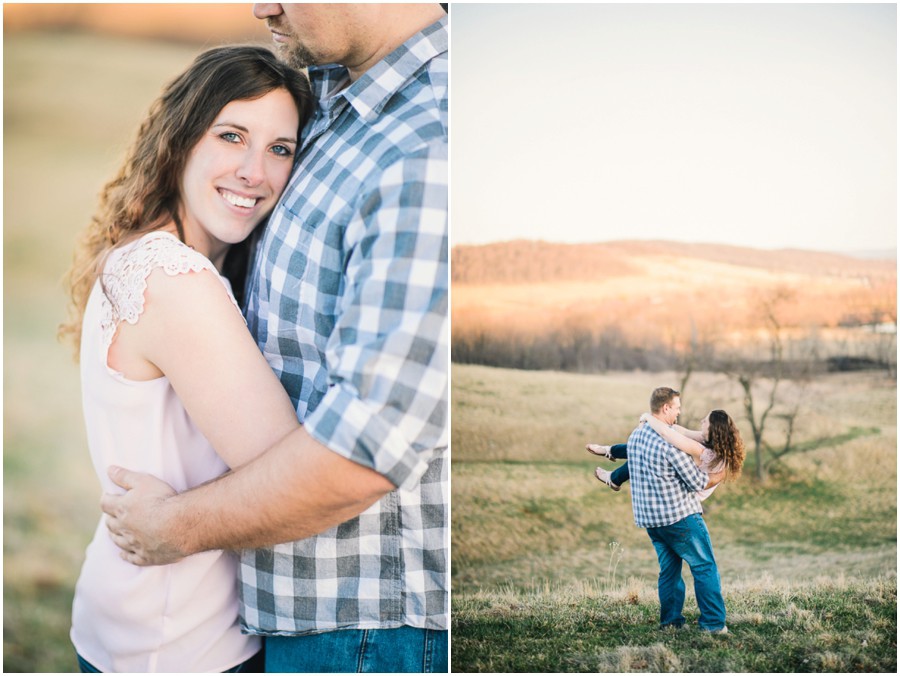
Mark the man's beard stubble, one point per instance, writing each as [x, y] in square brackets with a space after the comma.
[296, 56]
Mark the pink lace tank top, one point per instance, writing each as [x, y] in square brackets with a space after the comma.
[177, 618]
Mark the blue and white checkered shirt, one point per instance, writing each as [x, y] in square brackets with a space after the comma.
[348, 300]
[664, 480]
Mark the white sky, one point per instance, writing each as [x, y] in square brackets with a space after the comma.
[768, 126]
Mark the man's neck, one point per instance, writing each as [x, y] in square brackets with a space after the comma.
[661, 419]
[400, 22]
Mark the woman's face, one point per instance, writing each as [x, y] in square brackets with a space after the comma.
[704, 427]
[236, 172]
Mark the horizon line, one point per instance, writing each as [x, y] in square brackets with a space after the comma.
[883, 253]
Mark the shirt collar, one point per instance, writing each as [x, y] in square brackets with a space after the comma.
[371, 92]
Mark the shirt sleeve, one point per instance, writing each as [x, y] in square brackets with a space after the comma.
[388, 356]
[686, 469]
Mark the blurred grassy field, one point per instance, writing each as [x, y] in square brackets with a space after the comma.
[71, 104]
[539, 542]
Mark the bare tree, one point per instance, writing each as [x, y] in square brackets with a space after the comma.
[762, 383]
[688, 359]
[697, 355]
[887, 344]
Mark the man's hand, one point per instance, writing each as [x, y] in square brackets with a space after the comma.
[137, 520]
[715, 478]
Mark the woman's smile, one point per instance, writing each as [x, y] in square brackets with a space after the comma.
[236, 200]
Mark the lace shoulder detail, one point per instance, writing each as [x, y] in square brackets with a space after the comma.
[124, 278]
[709, 462]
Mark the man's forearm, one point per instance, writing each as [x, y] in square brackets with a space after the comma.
[296, 489]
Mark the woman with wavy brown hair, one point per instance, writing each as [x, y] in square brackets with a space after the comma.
[716, 447]
[172, 381]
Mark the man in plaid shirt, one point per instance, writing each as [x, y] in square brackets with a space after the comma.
[348, 302]
[664, 482]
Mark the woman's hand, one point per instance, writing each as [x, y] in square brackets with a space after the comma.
[645, 417]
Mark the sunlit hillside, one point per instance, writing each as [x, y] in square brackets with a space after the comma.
[673, 292]
[189, 22]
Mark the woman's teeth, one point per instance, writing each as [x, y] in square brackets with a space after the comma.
[238, 201]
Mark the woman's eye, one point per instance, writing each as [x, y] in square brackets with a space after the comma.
[230, 136]
[283, 151]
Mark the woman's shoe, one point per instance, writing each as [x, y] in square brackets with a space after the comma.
[602, 451]
[604, 476]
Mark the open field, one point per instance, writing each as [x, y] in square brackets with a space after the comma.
[531, 524]
[71, 102]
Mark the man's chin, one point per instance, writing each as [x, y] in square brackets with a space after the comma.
[294, 56]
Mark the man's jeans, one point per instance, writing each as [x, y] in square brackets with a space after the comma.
[402, 650]
[688, 540]
[620, 474]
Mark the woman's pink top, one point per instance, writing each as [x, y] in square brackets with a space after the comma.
[708, 463]
[177, 618]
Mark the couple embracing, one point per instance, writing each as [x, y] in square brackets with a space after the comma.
[261, 308]
[672, 469]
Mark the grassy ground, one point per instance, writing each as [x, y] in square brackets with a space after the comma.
[826, 625]
[71, 103]
[527, 514]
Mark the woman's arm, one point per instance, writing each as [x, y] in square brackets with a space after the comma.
[191, 331]
[696, 435]
[675, 438]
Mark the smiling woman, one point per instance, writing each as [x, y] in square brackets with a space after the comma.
[155, 321]
[149, 192]
[236, 172]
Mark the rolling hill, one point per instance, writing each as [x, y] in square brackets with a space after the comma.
[666, 291]
[529, 261]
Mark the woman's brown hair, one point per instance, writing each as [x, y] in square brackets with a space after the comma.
[724, 439]
[144, 196]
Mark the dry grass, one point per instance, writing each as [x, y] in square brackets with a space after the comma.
[821, 625]
[526, 507]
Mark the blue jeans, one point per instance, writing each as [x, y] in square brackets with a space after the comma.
[254, 665]
[401, 650]
[687, 540]
[620, 474]
[86, 667]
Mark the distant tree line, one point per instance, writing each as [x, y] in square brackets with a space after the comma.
[582, 350]
[564, 349]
